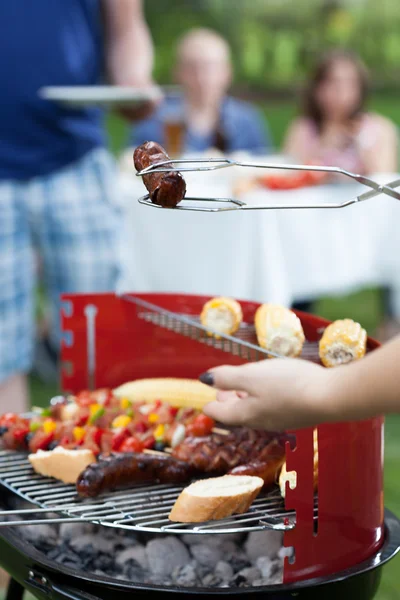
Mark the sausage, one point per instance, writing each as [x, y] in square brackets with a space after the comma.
[117, 471]
[268, 470]
[218, 454]
[165, 189]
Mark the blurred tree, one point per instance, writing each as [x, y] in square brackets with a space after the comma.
[274, 42]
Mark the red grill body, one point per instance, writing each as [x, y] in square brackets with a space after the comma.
[350, 490]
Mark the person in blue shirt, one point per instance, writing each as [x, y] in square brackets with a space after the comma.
[56, 176]
[211, 118]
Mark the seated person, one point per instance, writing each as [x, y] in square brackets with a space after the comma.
[210, 118]
[335, 128]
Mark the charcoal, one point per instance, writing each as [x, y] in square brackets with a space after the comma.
[135, 553]
[134, 572]
[250, 574]
[239, 561]
[40, 533]
[206, 555]
[104, 562]
[263, 543]
[185, 576]
[211, 580]
[265, 566]
[100, 543]
[69, 531]
[165, 554]
[224, 571]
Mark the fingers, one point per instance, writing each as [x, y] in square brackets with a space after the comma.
[229, 408]
[227, 378]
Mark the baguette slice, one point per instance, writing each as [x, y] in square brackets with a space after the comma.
[62, 464]
[216, 498]
[182, 393]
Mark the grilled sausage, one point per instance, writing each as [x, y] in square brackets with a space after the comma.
[117, 471]
[165, 189]
[268, 470]
[218, 454]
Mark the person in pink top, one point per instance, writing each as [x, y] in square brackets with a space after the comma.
[335, 128]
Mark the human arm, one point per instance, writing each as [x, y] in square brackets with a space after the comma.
[382, 155]
[128, 50]
[279, 394]
[296, 142]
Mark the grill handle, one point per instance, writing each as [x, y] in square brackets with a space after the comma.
[42, 583]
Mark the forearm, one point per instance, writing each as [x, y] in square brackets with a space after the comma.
[366, 388]
[129, 48]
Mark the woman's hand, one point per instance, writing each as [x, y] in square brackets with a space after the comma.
[274, 394]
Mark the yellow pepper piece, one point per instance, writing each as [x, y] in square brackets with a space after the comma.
[79, 433]
[121, 421]
[93, 408]
[125, 403]
[153, 417]
[159, 432]
[49, 426]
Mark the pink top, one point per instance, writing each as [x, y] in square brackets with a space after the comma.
[348, 157]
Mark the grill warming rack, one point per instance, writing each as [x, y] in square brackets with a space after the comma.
[141, 508]
[243, 344]
[229, 204]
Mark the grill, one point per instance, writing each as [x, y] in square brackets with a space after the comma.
[335, 542]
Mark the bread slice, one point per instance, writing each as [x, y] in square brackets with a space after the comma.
[216, 498]
[60, 463]
[182, 393]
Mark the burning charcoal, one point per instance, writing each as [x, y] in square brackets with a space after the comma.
[265, 566]
[69, 531]
[100, 543]
[185, 576]
[224, 571]
[206, 556]
[239, 561]
[263, 543]
[211, 580]
[39, 533]
[250, 574]
[135, 553]
[166, 554]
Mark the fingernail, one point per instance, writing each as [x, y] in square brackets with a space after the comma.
[207, 378]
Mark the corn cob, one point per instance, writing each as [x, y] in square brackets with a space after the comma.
[342, 342]
[279, 330]
[291, 476]
[221, 314]
[181, 393]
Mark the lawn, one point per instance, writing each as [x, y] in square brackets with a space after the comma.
[364, 306]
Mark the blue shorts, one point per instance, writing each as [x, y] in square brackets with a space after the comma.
[73, 220]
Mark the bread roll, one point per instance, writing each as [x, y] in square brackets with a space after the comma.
[216, 498]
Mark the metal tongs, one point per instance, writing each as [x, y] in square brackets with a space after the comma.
[228, 204]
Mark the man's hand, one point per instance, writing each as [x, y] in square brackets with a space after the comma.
[274, 394]
[129, 53]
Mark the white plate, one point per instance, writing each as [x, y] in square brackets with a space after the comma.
[103, 95]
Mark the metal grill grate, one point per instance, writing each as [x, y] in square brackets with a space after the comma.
[243, 344]
[141, 508]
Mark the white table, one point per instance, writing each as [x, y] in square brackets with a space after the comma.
[278, 256]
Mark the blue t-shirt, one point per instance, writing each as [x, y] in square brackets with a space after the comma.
[47, 43]
[241, 124]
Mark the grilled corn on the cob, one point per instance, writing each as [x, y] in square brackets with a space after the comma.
[291, 476]
[178, 392]
[221, 314]
[342, 342]
[279, 330]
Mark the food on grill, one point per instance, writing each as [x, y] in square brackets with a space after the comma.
[103, 421]
[279, 330]
[291, 476]
[222, 314]
[165, 189]
[62, 464]
[183, 393]
[220, 454]
[118, 471]
[342, 342]
[215, 498]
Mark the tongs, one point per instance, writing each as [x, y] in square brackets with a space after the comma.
[229, 204]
